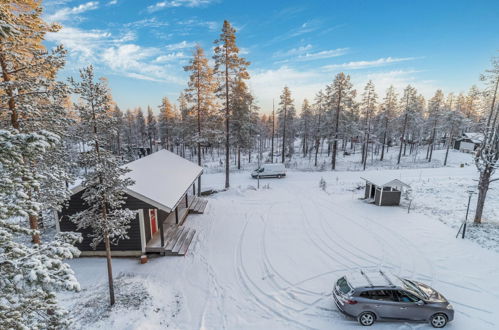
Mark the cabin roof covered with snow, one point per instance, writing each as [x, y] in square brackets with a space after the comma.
[161, 179]
[473, 137]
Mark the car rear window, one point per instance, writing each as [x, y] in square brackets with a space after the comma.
[343, 285]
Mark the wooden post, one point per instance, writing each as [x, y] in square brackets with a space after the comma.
[176, 215]
[194, 189]
[161, 232]
[186, 201]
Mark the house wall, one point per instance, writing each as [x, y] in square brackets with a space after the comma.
[388, 198]
[76, 204]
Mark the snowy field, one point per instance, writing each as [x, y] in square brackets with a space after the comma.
[267, 259]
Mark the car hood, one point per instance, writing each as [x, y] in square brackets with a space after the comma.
[433, 295]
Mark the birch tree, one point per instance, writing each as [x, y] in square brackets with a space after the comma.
[487, 155]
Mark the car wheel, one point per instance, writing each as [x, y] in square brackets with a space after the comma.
[367, 318]
[438, 320]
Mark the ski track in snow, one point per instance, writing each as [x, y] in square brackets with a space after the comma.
[268, 259]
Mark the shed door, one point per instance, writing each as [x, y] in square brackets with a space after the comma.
[153, 216]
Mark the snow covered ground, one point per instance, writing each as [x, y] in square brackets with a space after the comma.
[267, 259]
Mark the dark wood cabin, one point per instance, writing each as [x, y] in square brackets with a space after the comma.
[163, 195]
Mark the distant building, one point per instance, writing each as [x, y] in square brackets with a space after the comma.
[468, 142]
[161, 196]
[387, 194]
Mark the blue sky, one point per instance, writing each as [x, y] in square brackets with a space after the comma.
[141, 46]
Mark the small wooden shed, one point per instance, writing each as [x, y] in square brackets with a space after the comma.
[162, 197]
[387, 194]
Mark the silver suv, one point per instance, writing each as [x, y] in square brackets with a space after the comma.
[378, 296]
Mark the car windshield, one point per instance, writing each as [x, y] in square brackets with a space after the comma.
[259, 170]
[415, 289]
[343, 285]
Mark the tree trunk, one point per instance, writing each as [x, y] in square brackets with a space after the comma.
[284, 134]
[483, 188]
[109, 269]
[402, 139]
[384, 142]
[227, 113]
[337, 125]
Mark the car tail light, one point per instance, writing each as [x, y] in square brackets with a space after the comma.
[350, 301]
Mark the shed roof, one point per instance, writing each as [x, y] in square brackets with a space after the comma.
[389, 183]
[161, 179]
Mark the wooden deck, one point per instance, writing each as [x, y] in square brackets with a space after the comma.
[177, 241]
[177, 238]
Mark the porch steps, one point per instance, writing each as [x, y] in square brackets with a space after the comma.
[178, 241]
[198, 205]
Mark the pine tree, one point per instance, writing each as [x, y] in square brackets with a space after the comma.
[242, 118]
[306, 118]
[230, 68]
[388, 113]
[166, 123]
[31, 124]
[340, 96]
[151, 128]
[106, 182]
[409, 100]
[140, 127]
[320, 109]
[369, 101]
[435, 109]
[286, 114]
[200, 91]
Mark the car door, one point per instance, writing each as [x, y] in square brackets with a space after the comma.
[383, 303]
[408, 307]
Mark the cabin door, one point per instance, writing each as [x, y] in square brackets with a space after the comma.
[153, 216]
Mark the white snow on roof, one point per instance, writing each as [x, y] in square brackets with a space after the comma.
[162, 177]
[386, 181]
[474, 137]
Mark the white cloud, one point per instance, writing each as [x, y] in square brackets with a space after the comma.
[368, 64]
[170, 57]
[67, 13]
[112, 2]
[80, 43]
[177, 3]
[180, 45]
[268, 84]
[323, 54]
[137, 62]
[293, 51]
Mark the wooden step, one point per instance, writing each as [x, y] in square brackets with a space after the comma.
[187, 242]
[175, 237]
[180, 241]
[194, 204]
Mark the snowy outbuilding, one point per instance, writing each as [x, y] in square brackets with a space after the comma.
[387, 194]
[163, 195]
[468, 142]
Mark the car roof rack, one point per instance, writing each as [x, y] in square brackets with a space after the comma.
[386, 278]
[367, 278]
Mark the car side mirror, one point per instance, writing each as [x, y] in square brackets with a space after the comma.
[420, 302]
